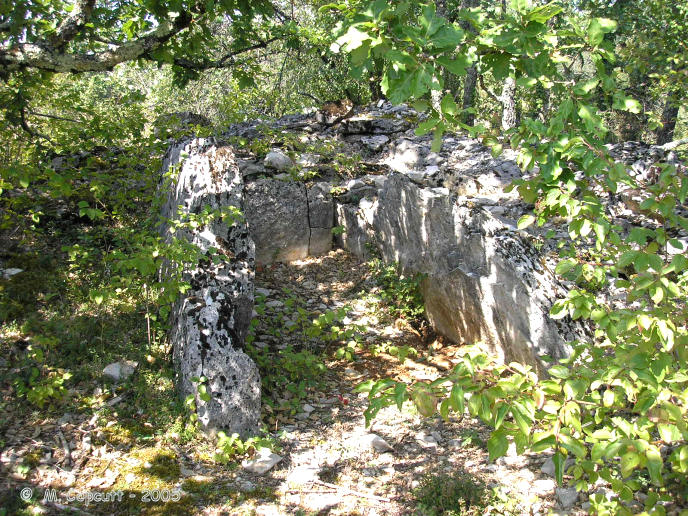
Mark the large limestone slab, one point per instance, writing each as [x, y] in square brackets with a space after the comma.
[277, 214]
[485, 281]
[289, 220]
[209, 322]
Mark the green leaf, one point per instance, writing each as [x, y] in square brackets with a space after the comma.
[447, 37]
[457, 399]
[521, 6]
[448, 105]
[597, 28]
[525, 221]
[559, 371]
[400, 394]
[654, 464]
[608, 398]
[558, 459]
[456, 66]
[437, 139]
[425, 401]
[573, 445]
[624, 103]
[426, 126]
[544, 444]
[352, 39]
[585, 87]
[629, 462]
[544, 13]
[565, 266]
[499, 63]
[497, 444]
[669, 433]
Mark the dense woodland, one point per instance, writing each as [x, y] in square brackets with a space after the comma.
[87, 89]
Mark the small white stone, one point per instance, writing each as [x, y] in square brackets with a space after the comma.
[278, 160]
[265, 460]
[544, 486]
[118, 371]
[426, 440]
[378, 443]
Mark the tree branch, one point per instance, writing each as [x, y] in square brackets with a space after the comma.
[72, 25]
[52, 58]
[488, 90]
[54, 117]
[27, 128]
[225, 61]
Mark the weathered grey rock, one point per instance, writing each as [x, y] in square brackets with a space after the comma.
[120, 371]
[478, 269]
[369, 125]
[320, 206]
[374, 143]
[308, 160]
[8, 273]
[250, 168]
[567, 497]
[277, 214]
[278, 160]
[320, 241]
[265, 460]
[548, 466]
[320, 219]
[209, 322]
[289, 221]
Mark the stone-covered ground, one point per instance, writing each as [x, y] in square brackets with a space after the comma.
[330, 462]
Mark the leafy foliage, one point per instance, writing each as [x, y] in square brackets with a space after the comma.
[618, 403]
[400, 293]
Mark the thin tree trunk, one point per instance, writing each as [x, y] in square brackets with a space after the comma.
[471, 80]
[669, 116]
[508, 98]
[469, 93]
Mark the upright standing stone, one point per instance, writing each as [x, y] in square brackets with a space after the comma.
[209, 322]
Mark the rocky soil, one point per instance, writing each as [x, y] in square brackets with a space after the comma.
[330, 463]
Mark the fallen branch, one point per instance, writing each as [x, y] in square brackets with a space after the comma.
[672, 145]
[65, 447]
[351, 491]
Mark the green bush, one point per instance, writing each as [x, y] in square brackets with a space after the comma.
[401, 293]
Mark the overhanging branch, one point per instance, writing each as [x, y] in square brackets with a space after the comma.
[225, 61]
[51, 56]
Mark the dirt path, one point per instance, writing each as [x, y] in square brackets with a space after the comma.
[330, 463]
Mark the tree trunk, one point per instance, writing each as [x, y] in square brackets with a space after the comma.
[471, 73]
[669, 116]
[508, 98]
[469, 94]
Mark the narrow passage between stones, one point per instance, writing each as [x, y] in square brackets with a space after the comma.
[331, 463]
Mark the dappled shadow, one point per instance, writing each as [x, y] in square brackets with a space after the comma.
[485, 282]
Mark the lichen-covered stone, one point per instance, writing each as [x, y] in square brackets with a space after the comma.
[277, 214]
[484, 282]
[209, 321]
[288, 220]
